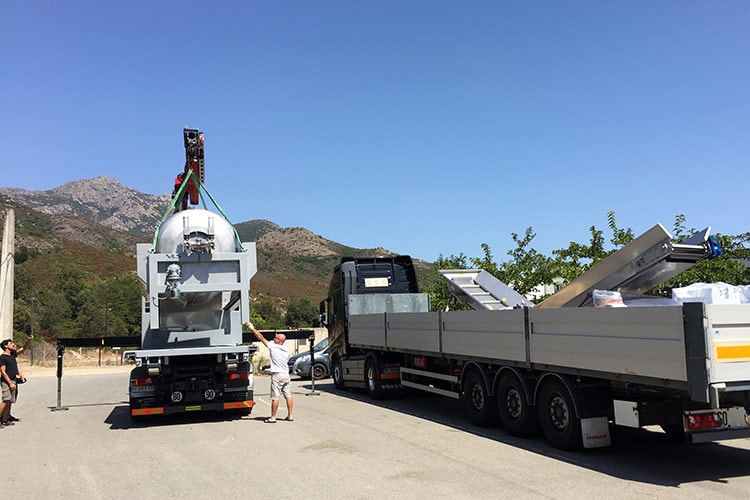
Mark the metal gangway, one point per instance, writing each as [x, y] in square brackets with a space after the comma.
[480, 290]
[647, 261]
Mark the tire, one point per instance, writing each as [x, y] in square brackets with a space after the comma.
[338, 374]
[517, 416]
[319, 371]
[557, 417]
[372, 379]
[479, 406]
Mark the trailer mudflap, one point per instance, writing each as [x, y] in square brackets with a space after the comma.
[595, 432]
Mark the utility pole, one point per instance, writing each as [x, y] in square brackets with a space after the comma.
[6, 276]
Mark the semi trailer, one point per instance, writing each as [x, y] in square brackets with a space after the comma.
[563, 368]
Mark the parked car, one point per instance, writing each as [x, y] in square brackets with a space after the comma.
[304, 367]
[318, 348]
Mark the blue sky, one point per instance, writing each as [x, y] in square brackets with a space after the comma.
[425, 127]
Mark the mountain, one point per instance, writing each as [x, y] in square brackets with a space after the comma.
[98, 222]
[102, 200]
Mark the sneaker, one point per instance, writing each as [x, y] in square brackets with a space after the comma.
[6, 423]
[11, 418]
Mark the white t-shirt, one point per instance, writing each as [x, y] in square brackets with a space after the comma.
[279, 357]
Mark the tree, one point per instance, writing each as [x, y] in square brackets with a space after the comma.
[526, 269]
[93, 314]
[54, 315]
[124, 293]
[301, 313]
[440, 297]
[266, 316]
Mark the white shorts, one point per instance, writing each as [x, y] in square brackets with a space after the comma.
[281, 384]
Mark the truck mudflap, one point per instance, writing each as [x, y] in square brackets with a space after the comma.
[703, 426]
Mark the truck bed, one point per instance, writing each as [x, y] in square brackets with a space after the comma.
[690, 347]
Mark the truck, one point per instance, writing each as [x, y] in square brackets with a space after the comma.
[197, 275]
[564, 368]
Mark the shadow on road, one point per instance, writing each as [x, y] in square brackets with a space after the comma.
[640, 455]
[119, 418]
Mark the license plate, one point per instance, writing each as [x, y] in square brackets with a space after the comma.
[142, 388]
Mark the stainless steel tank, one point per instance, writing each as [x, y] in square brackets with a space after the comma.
[187, 234]
[203, 231]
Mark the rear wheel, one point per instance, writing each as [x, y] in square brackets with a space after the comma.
[319, 371]
[338, 374]
[557, 416]
[372, 379]
[518, 417]
[479, 406]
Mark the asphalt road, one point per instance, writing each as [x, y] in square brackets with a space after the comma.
[341, 445]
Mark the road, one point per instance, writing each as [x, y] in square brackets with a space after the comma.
[341, 445]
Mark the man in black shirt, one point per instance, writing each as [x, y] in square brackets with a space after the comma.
[10, 377]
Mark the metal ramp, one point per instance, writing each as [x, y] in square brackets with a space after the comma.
[480, 290]
[647, 261]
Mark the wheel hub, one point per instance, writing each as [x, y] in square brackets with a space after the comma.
[477, 397]
[513, 403]
[558, 412]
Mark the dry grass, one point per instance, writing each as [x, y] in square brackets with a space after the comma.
[74, 360]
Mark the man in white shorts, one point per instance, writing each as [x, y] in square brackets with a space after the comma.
[281, 384]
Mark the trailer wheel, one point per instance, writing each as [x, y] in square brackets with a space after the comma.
[518, 417]
[480, 406]
[557, 416]
[319, 371]
[372, 379]
[338, 374]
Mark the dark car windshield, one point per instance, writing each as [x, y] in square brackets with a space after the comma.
[321, 345]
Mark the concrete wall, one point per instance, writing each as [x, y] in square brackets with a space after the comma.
[293, 346]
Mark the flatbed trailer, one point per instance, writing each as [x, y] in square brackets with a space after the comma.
[569, 372]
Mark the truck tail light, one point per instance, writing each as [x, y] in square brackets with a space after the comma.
[239, 376]
[144, 381]
[703, 421]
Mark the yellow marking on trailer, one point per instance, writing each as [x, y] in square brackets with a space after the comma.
[192, 408]
[733, 353]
